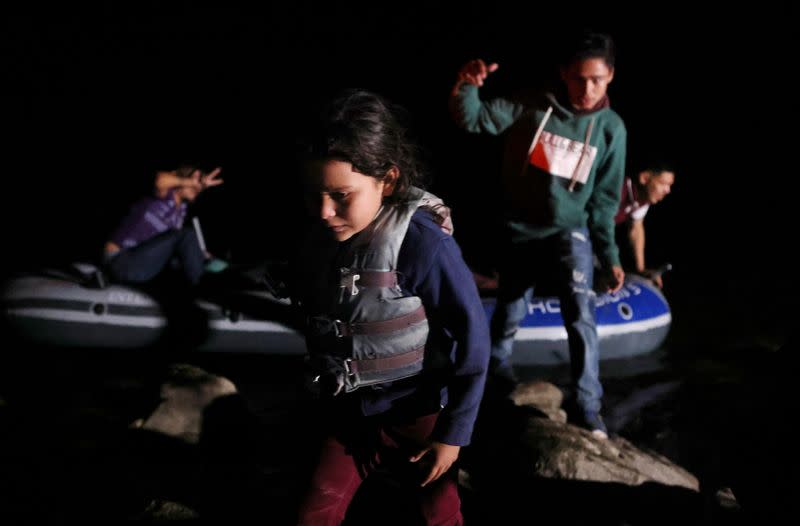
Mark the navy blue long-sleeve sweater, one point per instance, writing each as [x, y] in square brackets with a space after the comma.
[430, 266]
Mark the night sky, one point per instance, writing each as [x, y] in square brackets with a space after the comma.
[96, 99]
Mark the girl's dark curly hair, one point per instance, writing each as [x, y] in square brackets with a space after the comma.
[367, 131]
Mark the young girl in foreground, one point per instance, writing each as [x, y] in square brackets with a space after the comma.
[397, 336]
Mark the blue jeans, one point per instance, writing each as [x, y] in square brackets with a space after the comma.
[146, 260]
[565, 260]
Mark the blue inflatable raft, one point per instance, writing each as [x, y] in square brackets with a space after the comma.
[631, 322]
[71, 309]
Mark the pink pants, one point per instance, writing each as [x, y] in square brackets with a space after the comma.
[378, 444]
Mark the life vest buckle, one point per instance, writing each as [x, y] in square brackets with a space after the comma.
[348, 280]
[324, 325]
[349, 372]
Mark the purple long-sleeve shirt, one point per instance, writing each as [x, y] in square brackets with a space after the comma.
[149, 217]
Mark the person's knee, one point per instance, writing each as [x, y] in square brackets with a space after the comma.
[188, 235]
[443, 504]
[188, 244]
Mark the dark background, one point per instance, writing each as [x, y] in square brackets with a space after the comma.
[95, 99]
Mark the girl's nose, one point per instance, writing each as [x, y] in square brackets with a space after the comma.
[327, 207]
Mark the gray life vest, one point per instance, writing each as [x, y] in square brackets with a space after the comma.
[360, 325]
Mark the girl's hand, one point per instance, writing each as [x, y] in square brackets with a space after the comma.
[442, 458]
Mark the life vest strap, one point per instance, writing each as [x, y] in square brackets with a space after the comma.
[384, 364]
[323, 325]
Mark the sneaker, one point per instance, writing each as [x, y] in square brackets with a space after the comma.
[593, 422]
[215, 265]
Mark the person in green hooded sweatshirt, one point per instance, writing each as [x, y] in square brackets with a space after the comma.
[563, 168]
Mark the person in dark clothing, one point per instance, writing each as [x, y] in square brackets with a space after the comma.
[397, 337]
[153, 234]
[154, 249]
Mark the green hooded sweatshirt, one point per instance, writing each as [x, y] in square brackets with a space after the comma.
[561, 170]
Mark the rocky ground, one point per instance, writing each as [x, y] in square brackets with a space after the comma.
[123, 438]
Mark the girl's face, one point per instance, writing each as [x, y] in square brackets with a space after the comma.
[346, 201]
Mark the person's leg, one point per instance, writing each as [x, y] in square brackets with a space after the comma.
[145, 261]
[187, 323]
[577, 297]
[333, 485]
[513, 294]
[510, 309]
[191, 257]
[439, 502]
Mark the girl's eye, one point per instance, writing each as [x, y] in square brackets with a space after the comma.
[339, 196]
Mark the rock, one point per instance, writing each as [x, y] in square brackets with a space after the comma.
[545, 470]
[528, 434]
[558, 450]
[726, 499]
[540, 395]
[186, 393]
[162, 511]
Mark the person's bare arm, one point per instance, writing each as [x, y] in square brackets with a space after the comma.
[166, 181]
[636, 237]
